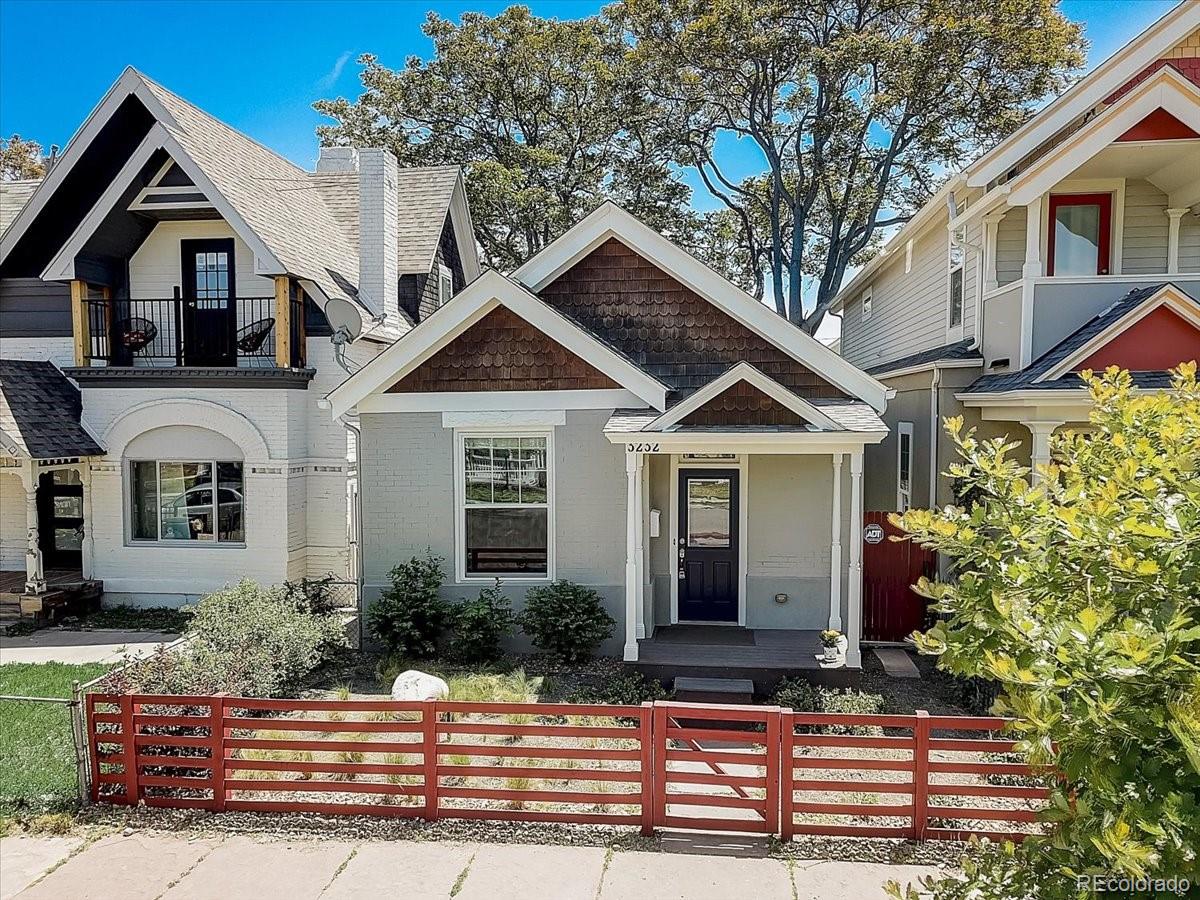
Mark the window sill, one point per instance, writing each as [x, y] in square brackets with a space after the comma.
[175, 545]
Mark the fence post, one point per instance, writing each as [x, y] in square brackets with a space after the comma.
[658, 736]
[80, 741]
[429, 756]
[787, 773]
[216, 734]
[129, 742]
[772, 773]
[646, 745]
[920, 792]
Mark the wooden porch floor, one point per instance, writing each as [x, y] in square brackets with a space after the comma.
[67, 592]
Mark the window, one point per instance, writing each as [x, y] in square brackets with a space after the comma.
[956, 285]
[866, 304]
[186, 501]
[504, 517]
[904, 432]
[1080, 234]
[445, 285]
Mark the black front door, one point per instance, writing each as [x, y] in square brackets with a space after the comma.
[708, 545]
[60, 519]
[209, 303]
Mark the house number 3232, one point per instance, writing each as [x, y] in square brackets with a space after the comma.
[642, 448]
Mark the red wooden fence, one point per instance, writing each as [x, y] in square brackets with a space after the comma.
[678, 765]
[891, 609]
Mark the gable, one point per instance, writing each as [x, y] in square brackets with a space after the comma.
[503, 352]
[743, 404]
[1158, 341]
[665, 327]
[1160, 125]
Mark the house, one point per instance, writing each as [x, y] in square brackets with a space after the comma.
[617, 414]
[166, 346]
[1074, 243]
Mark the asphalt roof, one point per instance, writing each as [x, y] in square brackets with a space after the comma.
[39, 412]
[947, 352]
[13, 197]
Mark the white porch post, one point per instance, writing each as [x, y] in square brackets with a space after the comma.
[854, 597]
[89, 541]
[1173, 217]
[1031, 270]
[1041, 431]
[835, 548]
[991, 230]
[35, 575]
[640, 546]
[631, 564]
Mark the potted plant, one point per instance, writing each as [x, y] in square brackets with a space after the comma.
[830, 639]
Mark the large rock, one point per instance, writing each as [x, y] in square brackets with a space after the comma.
[414, 685]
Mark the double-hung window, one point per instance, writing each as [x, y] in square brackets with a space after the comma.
[173, 500]
[504, 527]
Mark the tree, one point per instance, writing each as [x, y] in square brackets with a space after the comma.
[854, 106]
[1079, 595]
[21, 159]
[544, 116]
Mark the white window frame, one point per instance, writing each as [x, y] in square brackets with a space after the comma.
[954, 331]
[460, 504]
[444, 273]
[866, 304]
[127, 502]
[903, 494]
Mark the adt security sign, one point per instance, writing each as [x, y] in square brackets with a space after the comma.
[873, 533]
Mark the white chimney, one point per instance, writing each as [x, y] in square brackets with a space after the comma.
[378, 227]
[337, 159]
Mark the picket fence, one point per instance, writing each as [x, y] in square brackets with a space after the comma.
[756, 769]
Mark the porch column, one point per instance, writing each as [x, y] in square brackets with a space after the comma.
[89, 542]
[35, 575]
[1040, 457]
[991, 231]
[283, 323]
[835, 549]
[1173, 216]
[854, 596]
[640, 546]
[631, 565]
[1031, 270]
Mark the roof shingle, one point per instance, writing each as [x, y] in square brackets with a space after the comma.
[39, 411]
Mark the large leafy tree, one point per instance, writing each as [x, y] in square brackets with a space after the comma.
[21, 159]
[1079, 594]
[544, 115]
[853, 107]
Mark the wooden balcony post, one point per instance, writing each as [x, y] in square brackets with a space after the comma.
[79, 322]
[283, 323]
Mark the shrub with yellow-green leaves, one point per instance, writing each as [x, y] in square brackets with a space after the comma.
[1078, 589]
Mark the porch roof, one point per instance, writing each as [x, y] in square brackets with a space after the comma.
[850, 417]
[39, 412]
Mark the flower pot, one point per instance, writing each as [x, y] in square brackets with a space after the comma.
[831, 654]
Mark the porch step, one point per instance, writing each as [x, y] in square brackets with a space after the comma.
[714, 690]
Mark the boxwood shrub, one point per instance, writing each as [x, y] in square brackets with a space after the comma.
[566, 620]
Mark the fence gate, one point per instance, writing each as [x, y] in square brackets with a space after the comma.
[716, 768]
[891, 609]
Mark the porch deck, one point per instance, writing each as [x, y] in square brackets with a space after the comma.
[67, 591]
[762, 654]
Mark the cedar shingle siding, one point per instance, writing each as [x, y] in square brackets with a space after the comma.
[742, 404]
[667, 329]
[503, 352]
[419, 293]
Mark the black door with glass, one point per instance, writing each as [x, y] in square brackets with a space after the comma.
[60, 519]
[708, 545]
[209, 303]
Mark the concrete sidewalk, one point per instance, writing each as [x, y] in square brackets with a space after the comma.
[147, 866]
[66, 646]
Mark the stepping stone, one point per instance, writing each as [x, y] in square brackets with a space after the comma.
[896, 662]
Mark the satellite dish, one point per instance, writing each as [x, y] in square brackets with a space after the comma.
[344, 318]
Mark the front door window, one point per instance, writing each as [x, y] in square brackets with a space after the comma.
[209, 301]
[708, 545]
[1078, 243]
[60, 519]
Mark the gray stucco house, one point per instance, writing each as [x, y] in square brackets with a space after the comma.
[617, 414]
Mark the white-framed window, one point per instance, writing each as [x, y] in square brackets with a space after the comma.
[866, 304]
[504, 505]
[904, 465]
[954, 314]
[445, 284]
[183, 501]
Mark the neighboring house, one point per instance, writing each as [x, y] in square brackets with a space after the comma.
[1075, 243]
[617, 414]
[178, 274]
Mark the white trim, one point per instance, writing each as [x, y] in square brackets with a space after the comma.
[854, 616]
[1168, 295]
[1027, 397]
[470, 305]
[460, 508]
[903, 496]
[741, 465]
[743, 371]
[868, 305]
[532, 418]
[954, 332]
[934, 364]
[1115, 187]
[835, 547]
[444, 273]
[795, 442]
[464, 231]
[610, 221]
[470, 401]
[908, 255]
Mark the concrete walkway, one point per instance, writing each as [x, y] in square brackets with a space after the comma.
[65, 646]
[150, 866]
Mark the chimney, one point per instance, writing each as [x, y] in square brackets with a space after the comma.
[337, 160]
[378, 230]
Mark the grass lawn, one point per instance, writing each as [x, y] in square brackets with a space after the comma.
[37, 760]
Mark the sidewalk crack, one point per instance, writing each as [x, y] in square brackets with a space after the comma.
[608, 855]
[338, 871]
[462, 876]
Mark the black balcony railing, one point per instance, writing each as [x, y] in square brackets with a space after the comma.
[235, 332]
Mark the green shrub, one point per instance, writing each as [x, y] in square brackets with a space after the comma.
[565, 620]
[849, 701]
[625, 689]
[410, 616]
[795, 694]
[480, 626]
[246, 640]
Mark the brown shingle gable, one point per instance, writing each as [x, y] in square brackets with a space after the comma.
[503, 352]
[665, 327]
[743, 404]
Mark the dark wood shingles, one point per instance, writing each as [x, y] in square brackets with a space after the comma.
[743, 404]
[503, 352]
[666, 328]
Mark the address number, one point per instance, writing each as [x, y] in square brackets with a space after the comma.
[642, 448]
